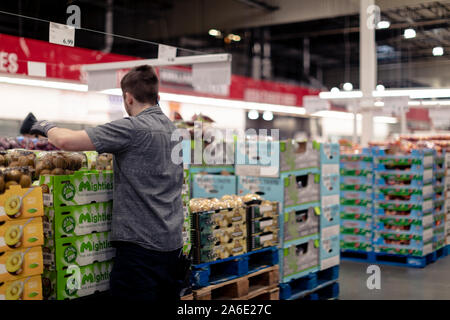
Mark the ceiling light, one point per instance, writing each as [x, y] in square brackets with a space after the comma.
[253, 115]
[409, 33]
[44, 83]
[379, 104]
[214, 33]
[348, 86]
[438, 51]
[414, 93]
[383, 24]
[268, 115]
[334, 90]
[380, 87]
[234, 37]
[341, 95]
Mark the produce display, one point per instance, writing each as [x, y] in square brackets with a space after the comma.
[25, 143]
[356, 208]
[408, 192]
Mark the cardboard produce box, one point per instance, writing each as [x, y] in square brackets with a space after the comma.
[71, 284]
[212, 236]
[18, 203]
[264, 240]
[27, 288]
[213, 186]
[22, 233]
[261, 225]
[19, 263]
[68, 221]
[78, 250]
[329, 252]
[300, 222]
[299, 260]
[223, 251]
[80, 188]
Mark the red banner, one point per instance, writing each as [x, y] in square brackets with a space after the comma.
[65, 62]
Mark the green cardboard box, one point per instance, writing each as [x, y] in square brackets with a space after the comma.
[71, 221]
[80, 188]
[76, 283]
[77, 250]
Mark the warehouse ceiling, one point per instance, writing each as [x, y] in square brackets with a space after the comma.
[318, 48]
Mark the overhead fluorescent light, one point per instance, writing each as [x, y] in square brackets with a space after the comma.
[383, 24]
[225, 103]
[409, 33]
[268, 115]
[438, 51]
[348, 86]
[253, 115]
[214, 33]
[334, 90]
[340, 95]
[44, 83]
[379, 104]
[414, 93]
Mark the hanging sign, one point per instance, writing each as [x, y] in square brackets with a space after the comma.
[395, 105]
[314, 104]
[62, 34]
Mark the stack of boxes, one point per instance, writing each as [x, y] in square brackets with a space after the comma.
[447, 200]
[77, 251]
[217, 232]
[403, 194]
[185, 196]
[292, 178]
[439, 213]
[262, 224]
[21, 240]
[356, 210]
[289, 172]
[329, 204]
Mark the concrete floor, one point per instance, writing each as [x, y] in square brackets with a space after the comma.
[429, 283]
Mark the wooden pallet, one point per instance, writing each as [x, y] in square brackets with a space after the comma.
[188, 297]
[247, 287]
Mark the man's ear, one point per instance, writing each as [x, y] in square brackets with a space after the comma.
[129, 98]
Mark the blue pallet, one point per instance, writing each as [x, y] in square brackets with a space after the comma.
[446, 250]
[218, 271]
[390, 259]
[304, 286]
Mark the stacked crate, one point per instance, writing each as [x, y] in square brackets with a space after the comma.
[77, 251]
[292, 178]
[356, 210]
[21, 240]
[439, 207]
[403, 194]
[185, 196]
[447, 200]
[217, 232]
[329, 206]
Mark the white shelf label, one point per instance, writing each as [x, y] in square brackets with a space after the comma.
[166, 52]
[62, 34]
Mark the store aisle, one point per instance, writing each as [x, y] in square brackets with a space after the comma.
[430, 283]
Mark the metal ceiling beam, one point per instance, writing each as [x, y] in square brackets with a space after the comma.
[260, 5]
[356, 29]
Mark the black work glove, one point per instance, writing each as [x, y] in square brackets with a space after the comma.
[27, 123]
[42, 127]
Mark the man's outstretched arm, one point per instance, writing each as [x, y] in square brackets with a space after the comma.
[70, 140]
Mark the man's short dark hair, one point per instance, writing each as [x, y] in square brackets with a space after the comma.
[142, 83]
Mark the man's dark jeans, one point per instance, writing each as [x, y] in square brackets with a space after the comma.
[142, 274]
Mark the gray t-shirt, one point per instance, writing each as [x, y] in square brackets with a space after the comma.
[147, 208]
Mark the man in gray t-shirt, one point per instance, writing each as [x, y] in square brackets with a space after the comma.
[147, 211]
